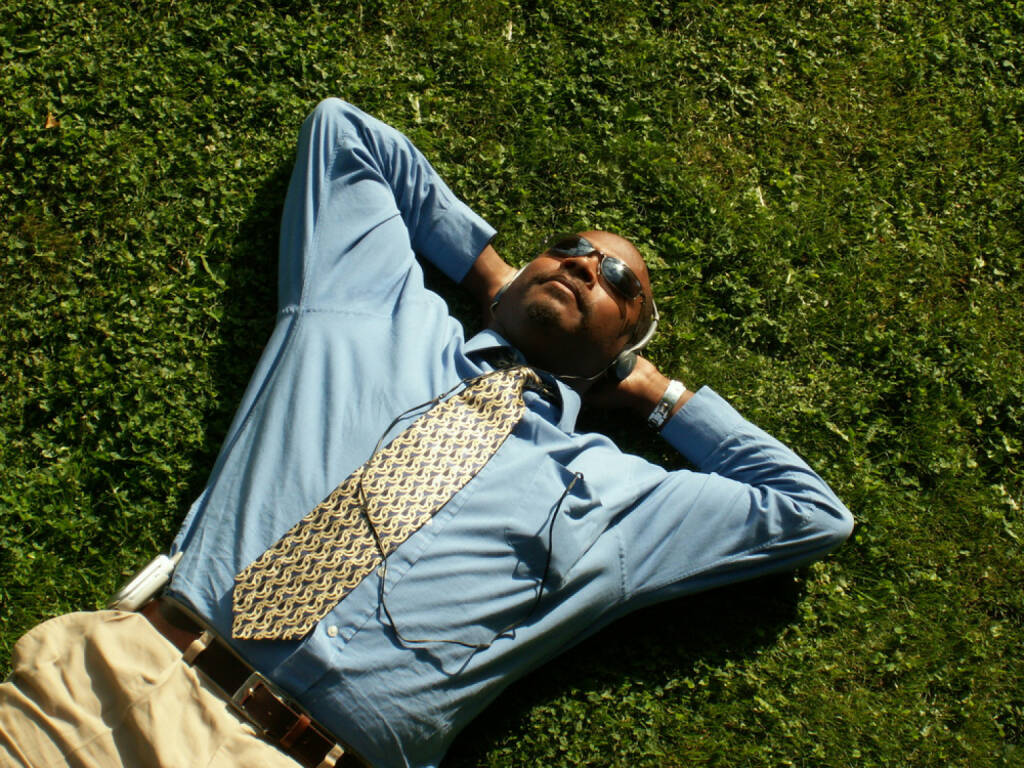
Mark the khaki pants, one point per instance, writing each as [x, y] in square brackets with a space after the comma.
[105, 689]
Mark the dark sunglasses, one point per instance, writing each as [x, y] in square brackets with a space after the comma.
[614, 271]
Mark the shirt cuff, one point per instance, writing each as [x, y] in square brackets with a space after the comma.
[700, 426]
[456, 239]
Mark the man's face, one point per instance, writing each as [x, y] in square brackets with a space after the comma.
[562, 313]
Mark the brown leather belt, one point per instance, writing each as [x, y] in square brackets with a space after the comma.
[277, 720]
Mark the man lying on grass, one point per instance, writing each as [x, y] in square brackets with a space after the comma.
[402, 521]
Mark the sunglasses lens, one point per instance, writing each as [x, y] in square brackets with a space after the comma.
[572, 246]
[620, 277]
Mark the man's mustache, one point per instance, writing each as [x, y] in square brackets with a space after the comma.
[578, 289]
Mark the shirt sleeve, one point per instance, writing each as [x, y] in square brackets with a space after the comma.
[751, 508]
[362, 201]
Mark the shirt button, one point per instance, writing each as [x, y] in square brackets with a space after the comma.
[332, 631]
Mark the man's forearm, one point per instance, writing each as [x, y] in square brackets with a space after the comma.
[640, 392]
[644, 388]
[485, 278]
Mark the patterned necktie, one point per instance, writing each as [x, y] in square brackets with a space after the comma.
[294, 584]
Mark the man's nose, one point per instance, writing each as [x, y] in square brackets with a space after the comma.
[584, 267]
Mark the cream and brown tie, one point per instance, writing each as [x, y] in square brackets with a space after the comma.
[290, 587]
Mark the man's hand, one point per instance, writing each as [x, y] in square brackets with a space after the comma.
[485, 278]
[640, 391]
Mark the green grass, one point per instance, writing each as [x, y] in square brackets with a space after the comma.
[831, 196]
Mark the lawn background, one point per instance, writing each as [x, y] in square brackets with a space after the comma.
[829, 194]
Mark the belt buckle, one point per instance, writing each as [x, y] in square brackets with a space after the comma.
[334, 753]
[245, 691]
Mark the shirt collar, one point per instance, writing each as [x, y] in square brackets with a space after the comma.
[489, 340]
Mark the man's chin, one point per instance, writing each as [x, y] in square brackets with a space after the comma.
[551, 333]
[557, 317]
[544, 316]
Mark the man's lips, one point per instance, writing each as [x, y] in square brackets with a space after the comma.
[568, 285]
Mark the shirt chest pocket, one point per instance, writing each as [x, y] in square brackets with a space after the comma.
[487, 560]
[553, 524]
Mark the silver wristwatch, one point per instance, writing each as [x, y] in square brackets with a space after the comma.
[664, 407]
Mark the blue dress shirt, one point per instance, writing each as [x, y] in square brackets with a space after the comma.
[358, 340]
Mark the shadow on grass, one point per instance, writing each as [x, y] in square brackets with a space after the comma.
[249, 308]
